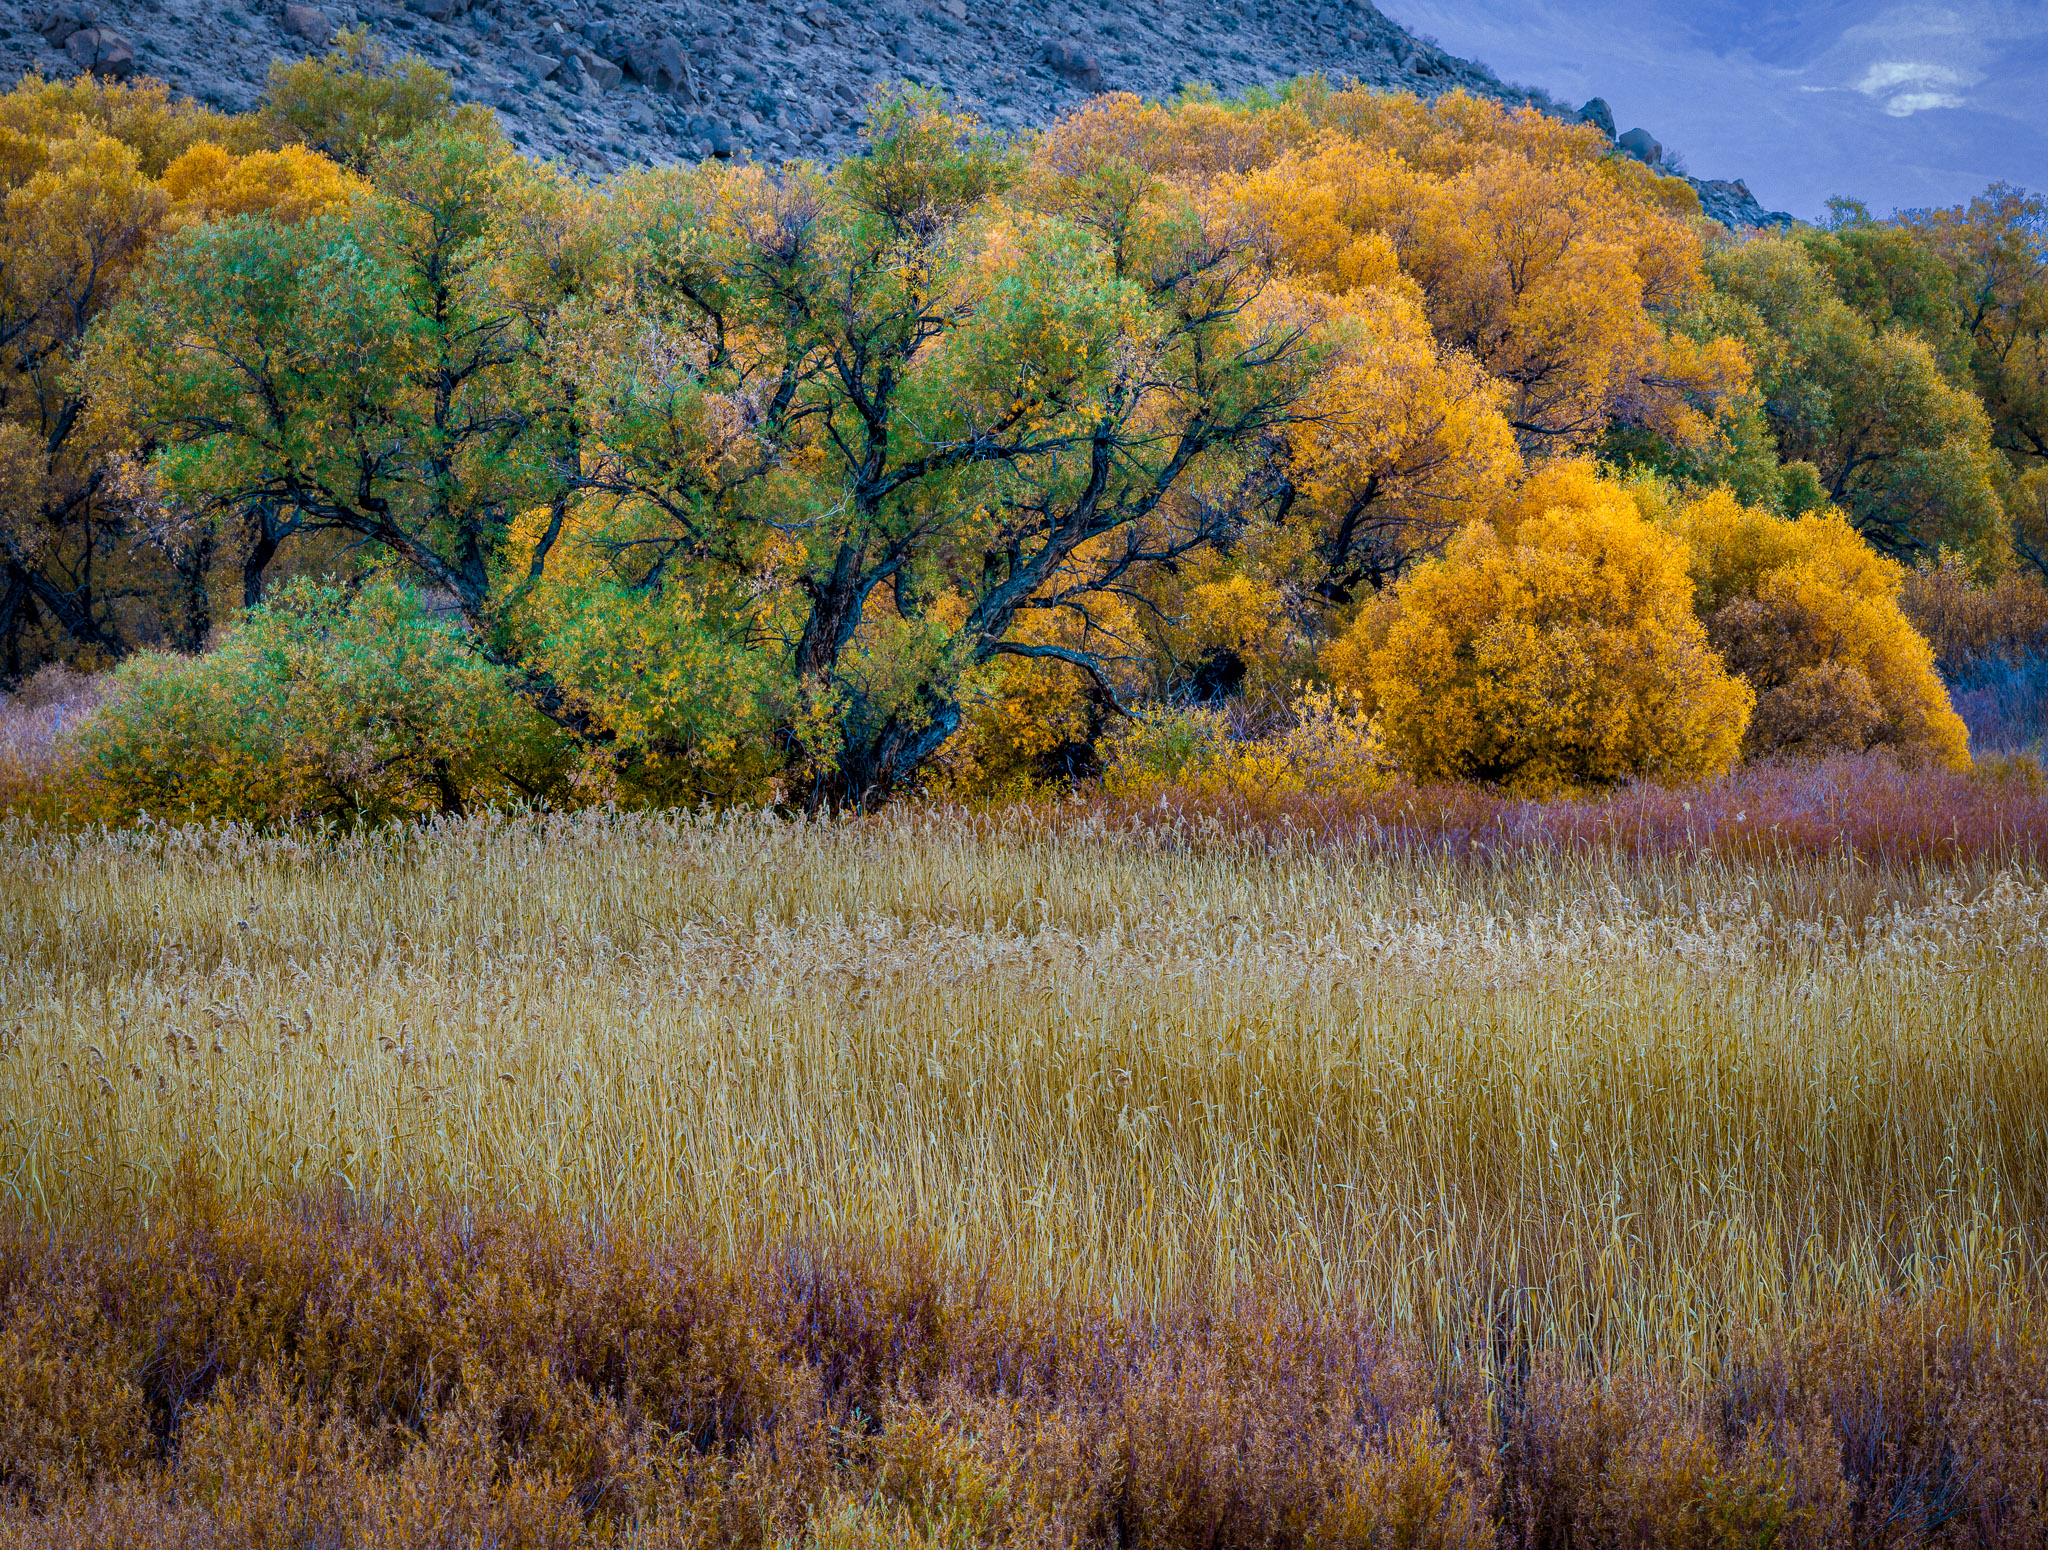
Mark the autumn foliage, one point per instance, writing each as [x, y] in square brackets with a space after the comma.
[955, 466]
[1558, 650]
[376, 1380]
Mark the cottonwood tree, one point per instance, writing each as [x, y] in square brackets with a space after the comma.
[915, 413]
[93, 175]
[377, 371]
[1903, 452]
[75, 224]
[1996, 248]
[854, 425]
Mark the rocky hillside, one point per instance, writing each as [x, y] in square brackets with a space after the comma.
[600, 84]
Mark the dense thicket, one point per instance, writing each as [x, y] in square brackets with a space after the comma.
[803, 484]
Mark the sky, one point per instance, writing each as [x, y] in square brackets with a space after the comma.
[1896, 105]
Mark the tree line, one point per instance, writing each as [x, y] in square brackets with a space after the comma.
[734, 483]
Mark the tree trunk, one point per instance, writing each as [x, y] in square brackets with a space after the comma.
[192, 567]
[270, 536]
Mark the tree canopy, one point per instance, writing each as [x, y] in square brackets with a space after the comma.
[809, 484]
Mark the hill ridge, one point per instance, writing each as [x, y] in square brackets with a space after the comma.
[604, 84]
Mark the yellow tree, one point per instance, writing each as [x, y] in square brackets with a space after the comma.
[1505, 288]
[70, 233]
[1401, 442]
[93, 174]
[1808, 613]
[1556, 271]
[1558, 650]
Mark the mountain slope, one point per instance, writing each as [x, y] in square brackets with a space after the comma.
[614, 82]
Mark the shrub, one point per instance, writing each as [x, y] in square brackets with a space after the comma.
[1809, 614]
[1332, 748]
[39, 726]
[354, 100]
[1563, 654]
[322, 703]
[1965, 619]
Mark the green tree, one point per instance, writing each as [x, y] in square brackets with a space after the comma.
[1894, 276]
[916, 415]
[851, 427]
[1904, 453]
[355, 101]
[378, 371]
[1996, 248]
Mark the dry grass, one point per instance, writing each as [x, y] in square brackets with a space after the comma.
[1626, 1107]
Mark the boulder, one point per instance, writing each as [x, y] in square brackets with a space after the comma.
[438, 10]
[101, 51]
[661, 64]
[308, 22]
[1642, 145]
[713, 133]
[534, 66]
[1073, 64]
[602, 72]
[58, 22]
[1599, 115]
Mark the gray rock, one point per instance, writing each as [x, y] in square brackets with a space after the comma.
[1599, 115]
[661, 64]
[1073, 64]
[101, 51]
[1642, 145]
[308, 22]
[816, 62]
[534, 66]
[1734, 206]
[58, 22]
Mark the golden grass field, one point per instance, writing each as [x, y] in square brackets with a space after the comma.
[1631, 1109]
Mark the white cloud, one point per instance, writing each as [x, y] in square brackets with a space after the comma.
[1803, 98]
[1934, 85]
[1896, 72]
[1906, 104]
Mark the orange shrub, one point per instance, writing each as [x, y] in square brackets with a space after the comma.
[1560, 653]
[1809, 614]
[289, 185]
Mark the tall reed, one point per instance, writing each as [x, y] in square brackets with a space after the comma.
[1620, 1106]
